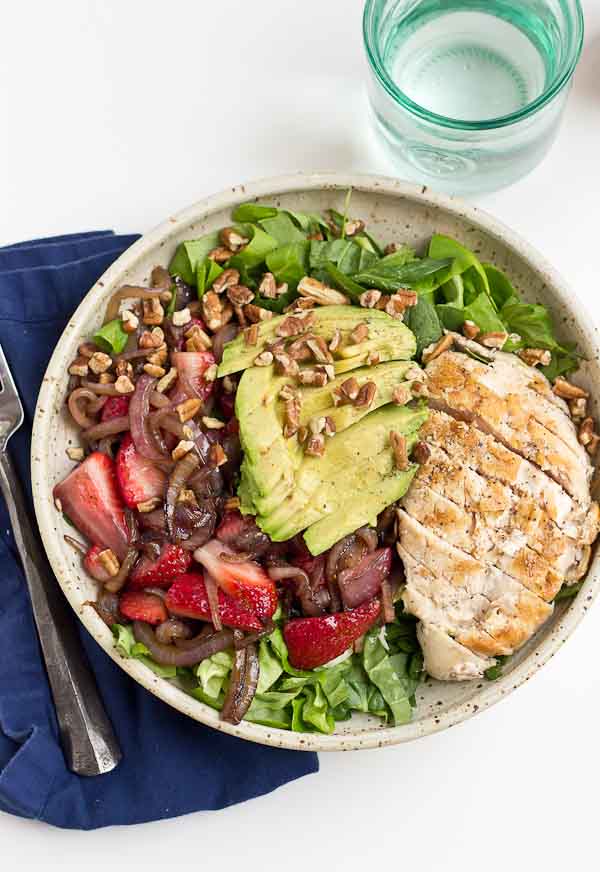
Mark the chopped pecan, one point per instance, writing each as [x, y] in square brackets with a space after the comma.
[227, 279]
[109, 561]
[153, 312]
[291, 417]
[586, 431]
[436, 348]
[284, 364]
[535, 356]
[366, 394]
[317, 424]
[75, 453]
[188, 409]
[181, 317]
[181, 449]
[301, 304]
[373, 358]
[220, 255]
[299, 350]
[239, 295]
[330, 428]
[129, 321]
[369, 299]
[382, 302]
[568, 391]
[123, 367]
[268, 286]
[351, 228]
[167, 381]
[79, 366]
[360, 333]
[196, 339]
[401, 394]
[399, 449]
[302, 434]
[215, 312]
[335, 340]
[251, 335]
[293, 325]
[391, 248]
[211, 372]
[319, 350]
[124, 385]
[106, 378]
[399, 302]
[350, 388]
[100, 362]
[419, 389]
[256, 314]
[233, 239]
[313, 377]
[578, 408]
[320, 292]
[264, 359]
[159, 357]
[217, 455]
[288, 392]
[315, 445]
[213, 423]
[494, 339]
[154, 370]
[421, 452]
[470, 329]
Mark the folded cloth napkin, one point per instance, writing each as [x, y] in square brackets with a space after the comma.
[171, 765]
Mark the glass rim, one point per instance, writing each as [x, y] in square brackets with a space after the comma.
[462, 124]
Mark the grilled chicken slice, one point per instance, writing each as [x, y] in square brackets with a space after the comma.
[497, 518]
[505, 610]
[446, 659]
[511, 412]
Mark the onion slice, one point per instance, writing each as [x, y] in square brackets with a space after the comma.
[188, 464]
[139, 409]
[172, 655]
[213, 600]
[242, 683]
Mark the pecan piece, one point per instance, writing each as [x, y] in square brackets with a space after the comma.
[568, 391]
[239, 295]
[436, 348]
[233, 239]
[369, 299]
[366, 394]
[399, 449]
[315, 445]
[321, 293]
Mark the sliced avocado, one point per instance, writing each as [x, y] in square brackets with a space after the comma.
[363, 509]
[391, 336]
[354, 460]
[270, 459]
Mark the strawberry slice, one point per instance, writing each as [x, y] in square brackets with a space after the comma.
[139, 606]
[314, 641]
[90, 498]
[246, 582]
[139, 479]
[93, 566]
[171, 562]
[115, 407]
[191, 384]
[187, 597]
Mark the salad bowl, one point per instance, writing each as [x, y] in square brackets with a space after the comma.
[394, 211]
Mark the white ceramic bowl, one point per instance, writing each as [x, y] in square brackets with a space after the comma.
[394, 211]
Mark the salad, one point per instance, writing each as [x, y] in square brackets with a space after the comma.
[248, 424]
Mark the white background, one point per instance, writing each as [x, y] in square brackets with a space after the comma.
[117, 113]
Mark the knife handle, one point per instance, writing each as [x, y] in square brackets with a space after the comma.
[87, 736]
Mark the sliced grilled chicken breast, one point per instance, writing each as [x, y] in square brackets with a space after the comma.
[497, 518]
[512, 416]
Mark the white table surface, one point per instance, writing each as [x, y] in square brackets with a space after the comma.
[115, 114]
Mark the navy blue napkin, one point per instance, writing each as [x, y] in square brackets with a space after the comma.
[171, 764]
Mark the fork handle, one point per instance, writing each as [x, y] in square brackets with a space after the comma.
[88, 740]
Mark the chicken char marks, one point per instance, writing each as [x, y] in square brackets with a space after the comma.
[497, 518]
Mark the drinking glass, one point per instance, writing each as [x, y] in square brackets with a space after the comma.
[468, 95]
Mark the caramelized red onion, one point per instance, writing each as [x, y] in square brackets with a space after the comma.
[177, 480]
[173, 655]
[116, 582]
[388, 612]
[170, 630]
[101, 390]
[139, 409]
[221, 338]
[92, 402]
[363, 581]
[212, 594]
[308, 598]
[95, 432]
[242, 683]
[107, 607]
[129, 292]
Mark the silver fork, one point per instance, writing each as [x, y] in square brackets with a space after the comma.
[88, 740]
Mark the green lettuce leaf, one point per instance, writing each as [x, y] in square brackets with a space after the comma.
[127, 647]
[212, 673]
[255, 252]
[111, 338]
[190, 253]
[282, 228]
[380, 669]
[424, 322]
[250, 213]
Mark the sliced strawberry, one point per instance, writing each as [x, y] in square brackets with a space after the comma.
[314, 641]
[191, 384]
[115, 407]
[188, 598]
[136, 605]
[246, 582]
[90, 498]
[139, 479]
[171, 562]
[93, 566]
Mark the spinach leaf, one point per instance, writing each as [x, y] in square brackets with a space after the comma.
[501, 289]
[463, 261]
[189, 254]
[111, 337]
[494, 672]
[424, 322]
[452, 318]
[344, 282]
[206, 273]
[391, 684]
[533, 323]
[344, 253]
[420, 274]
[282, 228]
[309, 222]
[405, 254]
[260, 245]
[562, 363]
[253, 212]
[289, 263]
[568, 591]
[483, 313]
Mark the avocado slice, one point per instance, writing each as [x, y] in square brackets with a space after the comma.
[390, 338]
[362, 509]
[271, 460]
[355, 461]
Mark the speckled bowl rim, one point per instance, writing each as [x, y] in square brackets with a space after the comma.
[50, 400]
